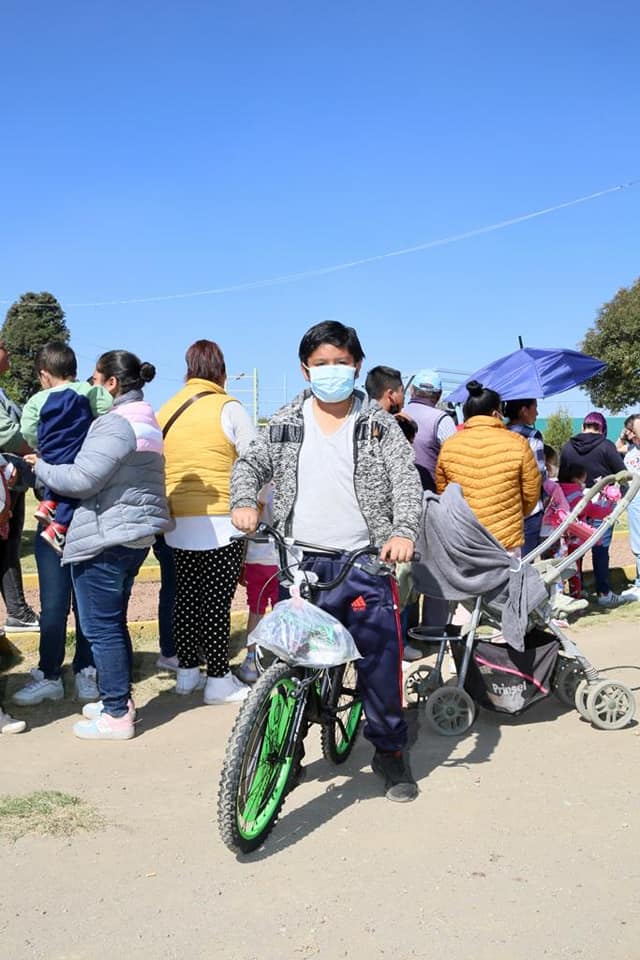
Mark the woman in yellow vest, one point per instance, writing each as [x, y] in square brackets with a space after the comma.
[205, 429]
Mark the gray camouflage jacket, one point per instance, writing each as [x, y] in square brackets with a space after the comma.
[386, 482]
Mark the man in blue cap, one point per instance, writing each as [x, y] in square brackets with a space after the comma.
[434, 425]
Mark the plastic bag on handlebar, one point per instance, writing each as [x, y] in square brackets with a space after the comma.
[301, 633]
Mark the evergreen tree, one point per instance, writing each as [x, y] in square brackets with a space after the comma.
[559, 428]
[32, 321]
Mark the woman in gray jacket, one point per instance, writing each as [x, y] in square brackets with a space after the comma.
[118, 476]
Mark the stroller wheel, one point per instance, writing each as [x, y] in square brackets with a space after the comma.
[582, 692]
[420, 684]
[611, 705]
[567, 678]
[450, 711]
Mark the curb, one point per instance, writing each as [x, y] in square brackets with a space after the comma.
[29, 642]
[150, 573]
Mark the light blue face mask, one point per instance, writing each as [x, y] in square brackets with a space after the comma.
[332, 382]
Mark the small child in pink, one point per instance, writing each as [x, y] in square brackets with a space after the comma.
[571, 480]
[260, 577]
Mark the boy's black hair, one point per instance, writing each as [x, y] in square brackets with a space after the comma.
[334, 333]
[570, 472]
[550, 453]
[380, 379]
[58, 359]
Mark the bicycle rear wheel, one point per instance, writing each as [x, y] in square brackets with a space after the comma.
[338, 739]
[258, 760]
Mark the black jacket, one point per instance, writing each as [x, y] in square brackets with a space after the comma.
[595, 453]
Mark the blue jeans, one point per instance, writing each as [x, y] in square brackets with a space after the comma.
[167, 596]
[532, 527]
[600, 560]
[56, 597]
[103, 587]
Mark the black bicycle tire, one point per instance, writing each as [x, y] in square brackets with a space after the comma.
[328, 738]
[232, 767]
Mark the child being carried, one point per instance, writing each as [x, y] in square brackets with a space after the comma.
[55, 421]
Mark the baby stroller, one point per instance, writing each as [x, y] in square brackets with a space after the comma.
[511, 654]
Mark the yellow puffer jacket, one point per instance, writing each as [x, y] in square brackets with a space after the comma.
[498, 474]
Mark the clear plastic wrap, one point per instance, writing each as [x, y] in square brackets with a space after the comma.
[301, 633]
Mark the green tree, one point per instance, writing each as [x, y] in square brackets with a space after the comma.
[615, 338]
[31, 322]
[559, 428]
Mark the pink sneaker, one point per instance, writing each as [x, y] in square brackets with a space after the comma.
[105, 727]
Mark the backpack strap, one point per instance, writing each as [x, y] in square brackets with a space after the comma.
[174, 416]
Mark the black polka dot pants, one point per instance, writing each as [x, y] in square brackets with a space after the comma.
[206, 581]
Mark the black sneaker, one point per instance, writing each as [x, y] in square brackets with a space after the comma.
[28, 625]
[394, 769]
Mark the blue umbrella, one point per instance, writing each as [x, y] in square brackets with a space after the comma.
[529, 372]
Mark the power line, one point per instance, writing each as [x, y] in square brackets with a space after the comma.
[351, 264]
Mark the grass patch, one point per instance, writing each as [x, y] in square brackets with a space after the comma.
[46, 813]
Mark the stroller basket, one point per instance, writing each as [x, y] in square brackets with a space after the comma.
[507, 680]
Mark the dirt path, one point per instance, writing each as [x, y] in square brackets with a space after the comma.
[523, 843]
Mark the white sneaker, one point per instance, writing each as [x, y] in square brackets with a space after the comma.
[9, 725]
[227, 689]
[189, 679]
[167, 663]
[93, 710]
[630, 594]
[85, 684]
[611, 600]
[39, 689]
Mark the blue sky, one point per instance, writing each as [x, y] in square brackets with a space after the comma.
[159, 148]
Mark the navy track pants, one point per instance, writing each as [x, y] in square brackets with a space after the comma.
[367, 605]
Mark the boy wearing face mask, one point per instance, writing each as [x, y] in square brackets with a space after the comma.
[344, 477]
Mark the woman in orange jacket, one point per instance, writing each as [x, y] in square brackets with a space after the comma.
[494, 466]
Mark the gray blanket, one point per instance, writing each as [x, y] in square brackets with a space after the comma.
[460, 559]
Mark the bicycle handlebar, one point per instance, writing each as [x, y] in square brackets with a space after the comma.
[265, 532]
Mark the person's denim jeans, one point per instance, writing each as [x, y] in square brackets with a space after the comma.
[103, 587]
[56, 596]
[167, 597]
[532, 526]
[600, 560]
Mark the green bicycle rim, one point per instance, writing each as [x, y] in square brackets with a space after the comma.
[270, 770]
[342, 745]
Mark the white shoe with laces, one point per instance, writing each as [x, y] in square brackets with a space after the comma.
[189, 679]
[39, 689]
[86, 685]
[93, 710]
[611, 600]
[227, 689]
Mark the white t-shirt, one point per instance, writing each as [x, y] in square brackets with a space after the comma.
[326, 511]
[209, 533]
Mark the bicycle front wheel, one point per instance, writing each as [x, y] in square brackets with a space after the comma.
[339, 735]
[259, 758]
